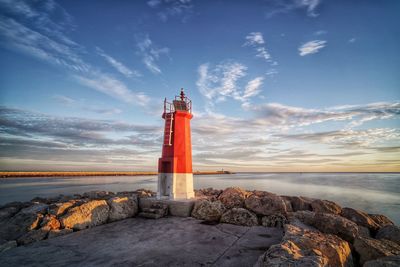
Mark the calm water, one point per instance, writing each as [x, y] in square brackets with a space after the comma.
[371, 192]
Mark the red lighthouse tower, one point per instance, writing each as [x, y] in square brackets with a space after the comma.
[175, 177]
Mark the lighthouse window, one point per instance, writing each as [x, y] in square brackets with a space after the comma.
[180, 105]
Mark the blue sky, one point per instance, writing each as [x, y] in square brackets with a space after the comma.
[296, 85]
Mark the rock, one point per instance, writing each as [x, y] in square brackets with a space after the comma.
[332, 224]
[381, 220]
[59, 209]
[360, 218]
[98, 195]
[233, 197]
[239, 216]
[50, 222]
[145, 193]
[6, 245]
[59, 232]
[122, 208]
[208, 210]
[207, 193]
[306, 217]
[337, 225]
[87, 215]
[10, 209]
[25, 220]
[299, 203]
[302, 247]
[277, 220]
[371, 249]
[389, 232]
[32, 236]
[325, 206]
[390, 261]
[265, 203]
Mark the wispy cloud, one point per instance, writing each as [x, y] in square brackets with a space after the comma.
[222, 81]
[81, 104]
[40, 31]
[113, 87]
[172, 8]
[311, 47]
[150, 53]
[118, 65]
[285, 6]
[352, 40]
[256, 40]
[287, 116]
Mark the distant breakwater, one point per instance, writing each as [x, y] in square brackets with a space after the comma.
[16, 174]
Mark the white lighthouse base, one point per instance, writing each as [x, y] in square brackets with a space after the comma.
[175, 186]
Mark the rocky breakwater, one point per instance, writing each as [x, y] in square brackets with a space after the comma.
[316, 232]
[22, 223]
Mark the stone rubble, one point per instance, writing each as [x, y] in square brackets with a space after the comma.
[317, 232]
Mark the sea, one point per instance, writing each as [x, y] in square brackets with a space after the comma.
[369, 192]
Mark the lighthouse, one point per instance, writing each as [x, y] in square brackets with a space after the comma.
[175, 177]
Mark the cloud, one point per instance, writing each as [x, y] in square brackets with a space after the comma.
[257, 142]
[351, 138]
[352, 40]
[114, 88]
[118, 65]
[285, 6]
[40, 30]
[150, 53]
[69, 102]
[172, 8]
[311, 47]
[222, 81]
[253, 87]
[256, 40]
[288, 116]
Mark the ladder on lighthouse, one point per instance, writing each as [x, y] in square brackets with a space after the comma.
[169, 118]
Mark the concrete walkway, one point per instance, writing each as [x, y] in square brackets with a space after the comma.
[171, 241]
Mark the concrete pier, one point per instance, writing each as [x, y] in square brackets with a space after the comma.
[169, 241]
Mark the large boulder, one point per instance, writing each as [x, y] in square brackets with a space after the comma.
[380, 219]
[61, 208]
[208, 210]
[239, 216]
[50, 222]
[25, 220]
[337, 225]
[389, 261]
[122, 208]
[303, 247]
[265, 203]
[389, 232]
[299, 203]
[87, 215]
[276, 220]
[360, 218]
[332, 224]
[233, 197]
[325, 206]
[207, 193]
[371, 249]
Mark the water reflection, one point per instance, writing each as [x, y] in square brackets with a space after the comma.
[372, 192]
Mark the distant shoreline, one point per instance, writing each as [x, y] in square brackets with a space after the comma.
[87, 173]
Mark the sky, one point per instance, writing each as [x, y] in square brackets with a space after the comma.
[276, 85]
